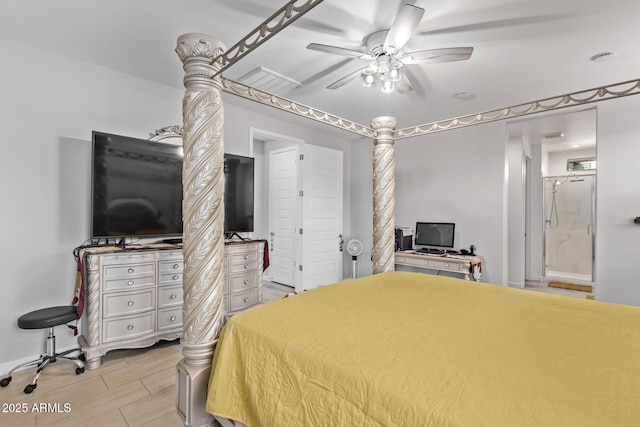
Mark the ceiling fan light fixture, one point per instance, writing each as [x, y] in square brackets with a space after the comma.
[387, 85]
[369, 77]
[394, 73]
[382, 64]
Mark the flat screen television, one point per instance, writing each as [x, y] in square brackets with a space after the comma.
[435, 234]
[137, 188]
[238, 193]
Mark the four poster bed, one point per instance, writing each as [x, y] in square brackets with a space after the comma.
[394, 348]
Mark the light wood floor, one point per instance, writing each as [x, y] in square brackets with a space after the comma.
[131, 388]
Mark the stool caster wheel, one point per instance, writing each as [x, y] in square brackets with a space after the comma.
[79, 370]
[5, 382]
[28, 389]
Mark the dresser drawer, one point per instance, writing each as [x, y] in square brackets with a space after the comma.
[244, 257]
[118, 304]
[129, 270]
[170, 265]
[443, 265]
[418, 262]
[238, 281]
[169, 295]
[128, 283]
[247, 265]
[171, 277]
[242, 300]
[128, 327]
[169, 318]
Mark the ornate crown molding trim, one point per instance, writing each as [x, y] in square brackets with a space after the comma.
[167, 132]
[286, 15]
[613, 91]
[284, 104]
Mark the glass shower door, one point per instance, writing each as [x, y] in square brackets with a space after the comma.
[569, 219]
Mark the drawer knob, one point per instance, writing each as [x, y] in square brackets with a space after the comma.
[175, 277]
[173, 318]
[176, 265]
[246, 281]
[130, 270]
[246, 257]
[246, 267]
[130, 283]
[130, 303]
[446, 265]
[173, 296]
[246, 299]
[129, 327]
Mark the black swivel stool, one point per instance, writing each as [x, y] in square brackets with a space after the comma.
[48, 318]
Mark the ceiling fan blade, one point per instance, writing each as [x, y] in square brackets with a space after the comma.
[437, 56]
[346, 79]
[402, 28]
[339, 51]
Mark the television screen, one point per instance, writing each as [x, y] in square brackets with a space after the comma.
[238, 193]
[435, 234]
[137, 187]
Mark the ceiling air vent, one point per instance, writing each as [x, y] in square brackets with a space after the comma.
[269, 81]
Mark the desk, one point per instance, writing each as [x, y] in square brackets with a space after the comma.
[470, 267]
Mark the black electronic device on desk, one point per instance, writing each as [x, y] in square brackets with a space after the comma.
[404, 239]
[432, 251]
[436, 237]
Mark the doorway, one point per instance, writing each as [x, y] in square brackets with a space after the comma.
[284, 218]
[301, 196]
[569, 206]
[547, 147]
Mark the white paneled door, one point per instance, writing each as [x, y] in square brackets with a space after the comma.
[284, 222]
[322, 177]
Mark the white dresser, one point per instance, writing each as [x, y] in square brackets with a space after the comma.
[133, 298]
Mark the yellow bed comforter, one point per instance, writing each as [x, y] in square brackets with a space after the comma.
[407, 349]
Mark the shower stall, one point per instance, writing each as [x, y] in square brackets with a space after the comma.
[569, 235]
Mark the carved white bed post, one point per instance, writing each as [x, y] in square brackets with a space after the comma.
[203, 217]
[384, 202]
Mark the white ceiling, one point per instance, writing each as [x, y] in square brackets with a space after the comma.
[523, 49]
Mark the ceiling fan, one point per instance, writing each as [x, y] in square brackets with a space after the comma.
[385, 56]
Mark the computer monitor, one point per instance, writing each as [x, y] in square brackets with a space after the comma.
[435, 234]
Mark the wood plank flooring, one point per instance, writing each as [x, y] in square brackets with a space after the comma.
[132, 388]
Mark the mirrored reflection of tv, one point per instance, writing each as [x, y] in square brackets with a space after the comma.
[137, 189]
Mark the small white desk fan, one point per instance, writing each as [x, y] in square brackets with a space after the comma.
[354, 247]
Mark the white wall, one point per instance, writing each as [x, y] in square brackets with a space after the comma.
[49, 106]
[454, 176]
